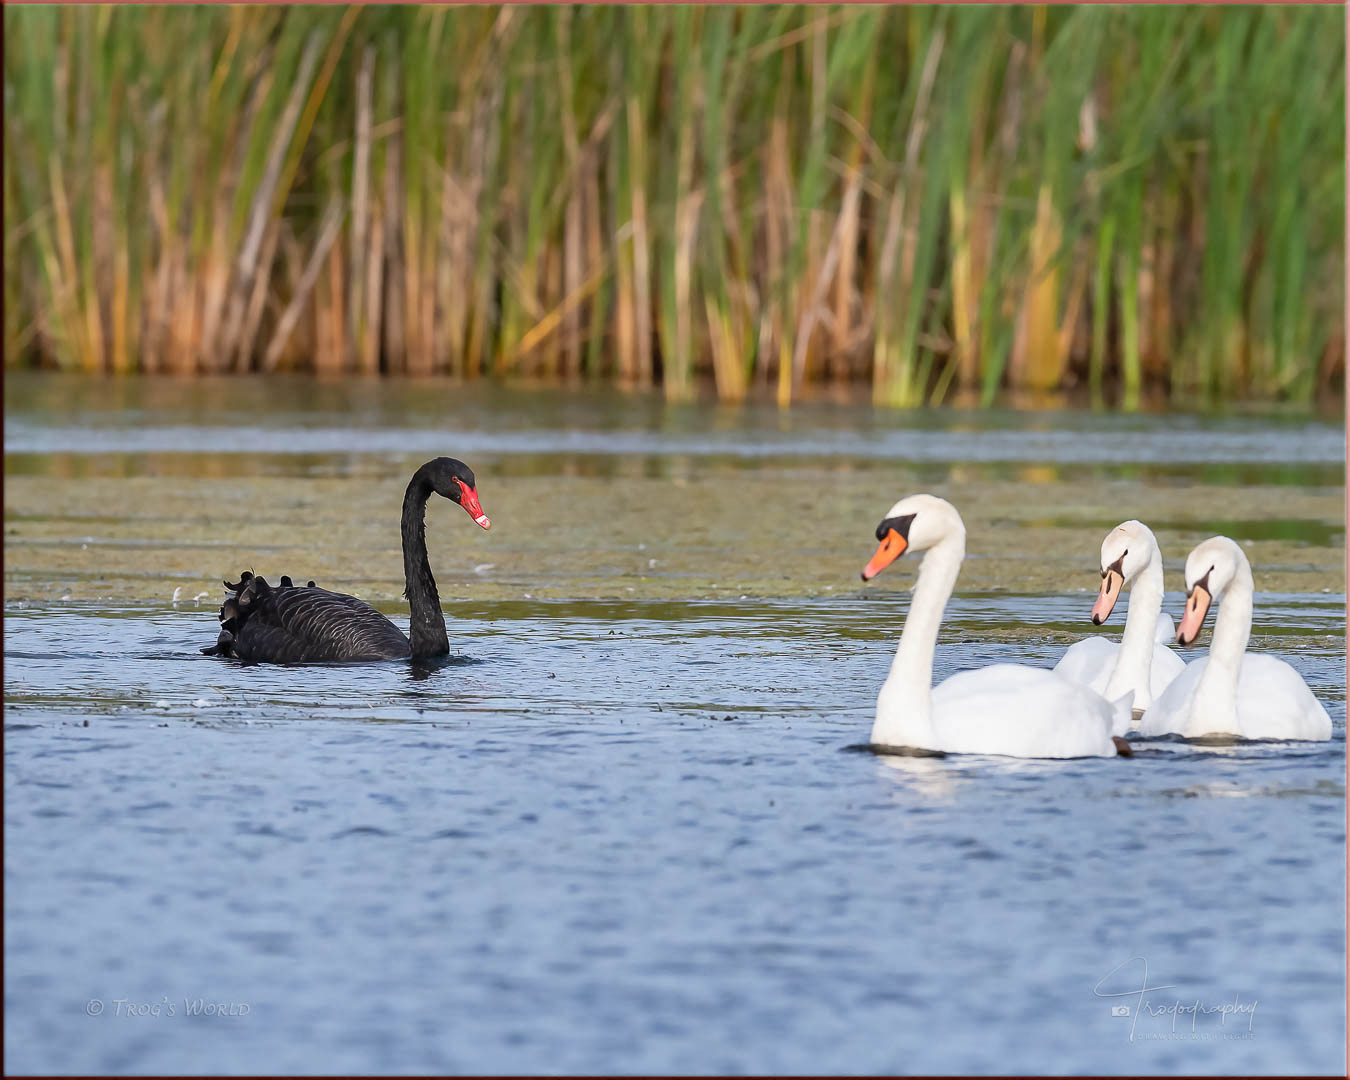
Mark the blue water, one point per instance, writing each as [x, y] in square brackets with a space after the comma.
[297, 417]
[616, 838]
[637, 837]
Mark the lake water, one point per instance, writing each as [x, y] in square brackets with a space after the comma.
[627, 828]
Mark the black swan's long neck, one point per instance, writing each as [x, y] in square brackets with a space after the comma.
[428, 622]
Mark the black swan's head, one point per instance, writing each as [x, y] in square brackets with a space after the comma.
[453, 480]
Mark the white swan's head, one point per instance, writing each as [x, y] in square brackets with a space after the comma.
[1211, 567]
[914, 523]
[1127, 549]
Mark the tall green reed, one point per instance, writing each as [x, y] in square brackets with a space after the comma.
[928, 200]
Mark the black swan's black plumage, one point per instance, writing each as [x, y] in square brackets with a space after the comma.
[290, 624]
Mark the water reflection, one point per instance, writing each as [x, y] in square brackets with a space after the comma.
[187, 463]
[935, 779]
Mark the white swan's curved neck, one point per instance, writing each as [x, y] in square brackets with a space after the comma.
[1232, 628]
[1136, 642]
[904, 709]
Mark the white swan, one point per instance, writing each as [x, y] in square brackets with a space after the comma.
[1007, 709]
[1231, 691]
[1130, 560]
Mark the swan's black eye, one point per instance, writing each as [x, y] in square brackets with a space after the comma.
[900, 524]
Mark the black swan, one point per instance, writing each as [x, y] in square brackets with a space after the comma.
[304, 625]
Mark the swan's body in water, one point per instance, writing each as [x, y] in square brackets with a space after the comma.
[1231, 691]
[1140, 662]
[1007, 709]
[293, 624]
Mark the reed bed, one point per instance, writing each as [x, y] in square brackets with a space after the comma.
[927, 200]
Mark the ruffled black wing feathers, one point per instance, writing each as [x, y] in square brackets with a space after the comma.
[302, 625]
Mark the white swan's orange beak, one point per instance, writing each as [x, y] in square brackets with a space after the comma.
[1106, 599]
[891, 549]
[1197, 605]
[468, 498]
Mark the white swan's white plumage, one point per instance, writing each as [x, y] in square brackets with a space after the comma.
[1139, 663]
[1272, 702]
[1007, 709]
[1231, 691]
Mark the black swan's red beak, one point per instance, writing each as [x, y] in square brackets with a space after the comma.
[468, 498]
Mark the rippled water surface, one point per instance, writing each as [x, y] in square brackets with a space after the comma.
[626, 828]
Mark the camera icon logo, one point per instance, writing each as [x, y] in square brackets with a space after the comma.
[1120, 1010]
